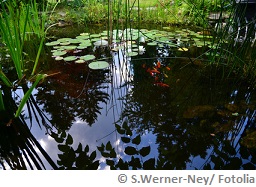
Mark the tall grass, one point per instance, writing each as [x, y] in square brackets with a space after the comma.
[18, 23]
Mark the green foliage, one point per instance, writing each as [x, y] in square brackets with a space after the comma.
[18, 24]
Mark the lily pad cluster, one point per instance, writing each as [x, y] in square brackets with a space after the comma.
[133, 41]
[70, 50]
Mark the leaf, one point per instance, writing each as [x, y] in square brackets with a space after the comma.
[93, 155]
[149, 164]
[135, 163]
[145, 151]
[110, 162]
[98, 65]
[79, 148]
[86, 149]
[136, 140]
[69, 140]
[128, 132]
[112, 153]
[130, 150]
[63, 148]
[101, 147]
[108, 146]
[125, 139]
[119, 129]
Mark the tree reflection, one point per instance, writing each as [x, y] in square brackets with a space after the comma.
[76, 93]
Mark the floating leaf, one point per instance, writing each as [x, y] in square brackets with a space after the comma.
[70, 58]
[80, 61]
[152, 43]
[133, 53]
[69, 47]
[88, 57]
[58, 58]
[98, 65]
[101, 43]
[59, 53]
[52, 43]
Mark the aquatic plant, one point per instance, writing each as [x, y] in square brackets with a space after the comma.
[16, 27]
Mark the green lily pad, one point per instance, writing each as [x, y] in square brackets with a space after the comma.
[88, 57]
[98, 65]
[101, 43]
[52, 43]
[59, 53]
[58, 58]
[80, 61]
[69, 47]
[65, 43]
[133, 53]
[152, 43]
[95, 35]
[70, 58]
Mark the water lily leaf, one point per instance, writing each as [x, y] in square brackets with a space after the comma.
[63, 40]
[70, 58]
[59, 53]
[133, 53]
[74, 41]
[82, 37]
[58, 58]
[52, 43]
[69, 47]
[88, 57]
[152, 43]
[65, 43]
[98, 65]
[95, 35]
[101, 43]
[80, 61]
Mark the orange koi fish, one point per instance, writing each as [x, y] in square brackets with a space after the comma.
[161, 84]
[158, 65]
[168, 68]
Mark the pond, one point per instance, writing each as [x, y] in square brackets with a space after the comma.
[154, 104]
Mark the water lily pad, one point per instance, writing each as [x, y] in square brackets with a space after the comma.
[70, 58]
[152, 43]
[101, 43]
[95, 35]
[58, 58]
[69, 47]
[65, 43]
[80, 61]
[52, 43]
[133, 53]
[59, 53]
[88, 57]
[63, 40]
[98, 65]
